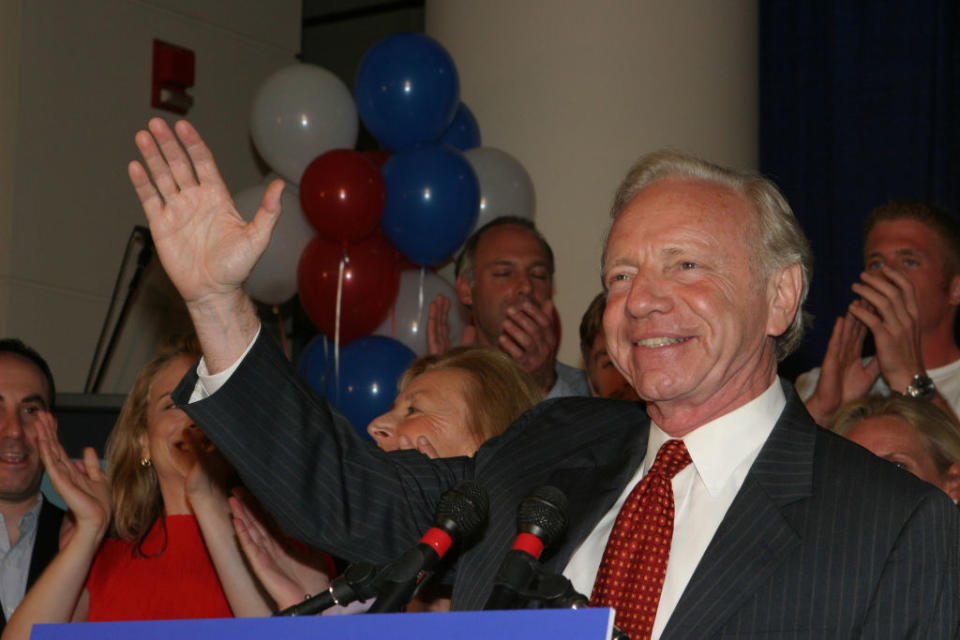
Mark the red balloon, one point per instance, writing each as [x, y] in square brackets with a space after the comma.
[343, 195]
[370, 284]
[378, 157]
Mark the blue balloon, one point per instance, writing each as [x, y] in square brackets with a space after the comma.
[407, 89]
[316, 363]
[370, 368]
[433, 198]
[463, 133]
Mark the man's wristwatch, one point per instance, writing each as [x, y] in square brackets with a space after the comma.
[921, 387]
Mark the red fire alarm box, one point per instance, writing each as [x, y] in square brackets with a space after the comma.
[173, 72]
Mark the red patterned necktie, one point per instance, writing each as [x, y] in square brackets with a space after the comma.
[635, 561]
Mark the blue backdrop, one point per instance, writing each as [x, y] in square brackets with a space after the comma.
[859, 104]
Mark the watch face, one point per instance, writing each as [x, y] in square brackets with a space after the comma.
[922, 387]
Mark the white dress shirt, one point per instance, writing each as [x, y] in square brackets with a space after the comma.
[722, 452]
[207, 383]
[15, 560]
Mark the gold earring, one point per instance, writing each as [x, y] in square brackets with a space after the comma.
[145, 462]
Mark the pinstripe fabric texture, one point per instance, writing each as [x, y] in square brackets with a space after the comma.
[823, 539]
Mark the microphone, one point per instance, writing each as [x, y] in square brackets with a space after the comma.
[541, 521]
[358, 582]
[461, 512]
[555, 591]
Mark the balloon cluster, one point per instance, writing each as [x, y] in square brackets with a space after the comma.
[352, 220]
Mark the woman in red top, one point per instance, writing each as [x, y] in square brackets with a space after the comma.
[172, 552]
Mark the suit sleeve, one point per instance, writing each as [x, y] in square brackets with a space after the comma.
[918, 595]
[324, 484]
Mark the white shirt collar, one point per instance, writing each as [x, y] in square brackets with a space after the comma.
[718, 447]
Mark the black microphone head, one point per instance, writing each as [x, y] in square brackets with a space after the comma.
[543, 514]
[463, 509]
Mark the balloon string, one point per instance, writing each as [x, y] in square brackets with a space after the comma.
[423, 274]
[326, 360]
[283, 331]
[344, 261]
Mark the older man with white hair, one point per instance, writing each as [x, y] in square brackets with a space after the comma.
[725, 512]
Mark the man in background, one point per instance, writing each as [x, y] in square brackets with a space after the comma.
[603, 378]
[29, 537]
[505, 277]
[907, 298]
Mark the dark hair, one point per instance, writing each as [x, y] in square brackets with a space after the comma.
[591, 325]
[17, 347]
[465, 260]
[943, 223]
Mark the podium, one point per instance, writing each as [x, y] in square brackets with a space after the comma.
[555, 624]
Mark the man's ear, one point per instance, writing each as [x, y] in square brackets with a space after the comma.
[953, 292]
[784, 289]
[463, 291]
[950, 482]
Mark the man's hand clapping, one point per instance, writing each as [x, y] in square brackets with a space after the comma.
[892, 316]
[843, 375]
[530, 338]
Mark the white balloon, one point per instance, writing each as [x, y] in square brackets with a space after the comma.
[407, 321]
[505, 186]
[274, 278]
[300, 112]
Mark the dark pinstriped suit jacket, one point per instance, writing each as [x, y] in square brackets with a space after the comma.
[823, 540]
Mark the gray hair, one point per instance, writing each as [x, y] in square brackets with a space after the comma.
[779, 242]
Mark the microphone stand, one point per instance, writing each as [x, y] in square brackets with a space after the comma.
[360, 581]
[400, 581]
[555, 591]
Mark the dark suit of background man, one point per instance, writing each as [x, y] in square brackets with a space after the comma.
[30, 533]
[782, 529]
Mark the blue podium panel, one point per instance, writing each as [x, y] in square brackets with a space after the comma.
[555, 624]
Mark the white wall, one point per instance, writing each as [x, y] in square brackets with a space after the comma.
[577, 90]
[80, 73]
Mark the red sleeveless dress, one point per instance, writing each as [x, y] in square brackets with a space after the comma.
[180, 582]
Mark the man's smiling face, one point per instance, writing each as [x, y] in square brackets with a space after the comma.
[23, 393]
[687, 316]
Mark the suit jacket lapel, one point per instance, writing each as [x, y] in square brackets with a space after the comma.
[591, 492]
[754, 538]
[47, 542]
